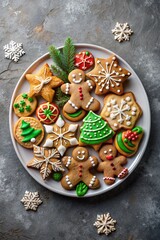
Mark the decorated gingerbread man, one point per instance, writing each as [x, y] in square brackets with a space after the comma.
[112, 166]
[79, 165]
[79, 90]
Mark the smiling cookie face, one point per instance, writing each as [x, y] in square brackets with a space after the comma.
[76, 76]
[108, 152]
[80, 154]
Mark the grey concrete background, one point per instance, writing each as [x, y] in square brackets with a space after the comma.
[135, 204]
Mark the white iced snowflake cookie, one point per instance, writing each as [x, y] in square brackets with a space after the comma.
[122, 32]
[121, 111]
[105, 224]
[14, 51]
[31, 200]
[61, 135]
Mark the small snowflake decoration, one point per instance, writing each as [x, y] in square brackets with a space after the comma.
[14, 51]
[61, 135]
[31, 200]
[122, 32]
[105, 224]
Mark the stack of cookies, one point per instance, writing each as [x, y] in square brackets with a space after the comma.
[107, 126]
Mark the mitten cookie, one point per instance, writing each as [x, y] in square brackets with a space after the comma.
[47, 113]
[79, 91]
[127, 142]
[84, 60]
[61, 135]
[24, 105]
[111, 165]
[79, 166]
[28, 131]
[43, 82]
[121, 111]
[108, 76]
[94, 131]
[46, 160]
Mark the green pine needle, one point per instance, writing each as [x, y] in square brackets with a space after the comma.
[68, 55]
[59, 73]
[61, 98]
[56, 56]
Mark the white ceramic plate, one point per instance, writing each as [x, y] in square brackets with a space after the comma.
[133, 84]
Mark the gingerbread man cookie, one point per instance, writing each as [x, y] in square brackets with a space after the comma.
[79, 90]
[79, 165]
[112, 166]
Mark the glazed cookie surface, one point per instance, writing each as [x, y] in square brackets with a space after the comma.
[24, 105]
[121, 111]
[47, 113]
[28, 131]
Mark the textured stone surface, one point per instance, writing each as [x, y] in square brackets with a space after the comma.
[135, 204]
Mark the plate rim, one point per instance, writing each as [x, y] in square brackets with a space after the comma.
[139, 156]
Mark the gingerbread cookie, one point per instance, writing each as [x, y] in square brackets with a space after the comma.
[43, 82]
[28, 131]
[46, 160]
[24, 105]
[127, 142]
[84, 60]
[121, 111]
[75, 117]
[47, 113]
[108, 76]
[79, 91]
[61, 135]
[94, 131]
[79, 166]
[111, 165]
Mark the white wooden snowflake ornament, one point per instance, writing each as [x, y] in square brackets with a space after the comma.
[105, 224]
[122, 32]
[31, 200]
[14, 51]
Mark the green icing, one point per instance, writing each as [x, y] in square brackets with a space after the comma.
[22, 103]
[48, 113]
[24, 95]
[87, 53]
[57, 176]
[81, 189]
[138, 130]
[29, 132]
[76, 114]
[121, 144]
[16, 105]
[95, 130]
[28, 108]
[21, 109]
[129, 143]
[30, 99]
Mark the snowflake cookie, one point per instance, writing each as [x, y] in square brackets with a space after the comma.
[122, 32]
[108, 76]
[46, 160]
[105, 224]
[121, 111]
[14, 51]
[31, 200]
[61, 135]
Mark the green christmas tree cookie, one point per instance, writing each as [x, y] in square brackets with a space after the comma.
[28, 132]
[95, 130]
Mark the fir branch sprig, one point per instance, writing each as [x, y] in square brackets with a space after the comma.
[63, 64]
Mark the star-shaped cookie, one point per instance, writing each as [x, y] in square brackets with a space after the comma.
[108, 76]
[42, 83]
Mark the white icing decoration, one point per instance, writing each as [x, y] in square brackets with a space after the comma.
[67, 88]
[89, 84]
[77, 81]
[13, 51]
[68, 181]
[73, 105]
[107, 77]
[122, 32]
[92, 161]
[31, 200]
[92, 181]
[33, 140]
[128, 99]
[134, 109]
[90, 102]
[84, 60]
[58, 136]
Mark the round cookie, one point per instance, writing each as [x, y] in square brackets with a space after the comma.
[24, 105]
[28, 131]
[47, 113]
[74, 117]
[84, 60]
